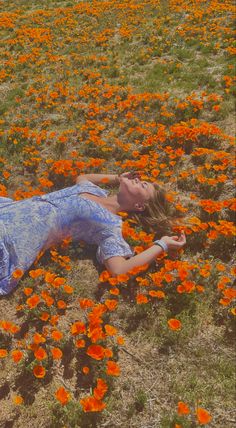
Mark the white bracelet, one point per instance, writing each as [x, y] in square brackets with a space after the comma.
[162, 244]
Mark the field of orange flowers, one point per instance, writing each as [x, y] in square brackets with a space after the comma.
[115, 86]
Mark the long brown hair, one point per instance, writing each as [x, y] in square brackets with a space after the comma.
[159, 216]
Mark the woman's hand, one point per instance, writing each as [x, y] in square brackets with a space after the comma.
[118, 265]
[174, 243]
[130, 175]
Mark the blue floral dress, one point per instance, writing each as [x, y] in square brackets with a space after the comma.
[32, 225]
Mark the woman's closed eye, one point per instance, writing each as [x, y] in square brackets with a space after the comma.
[144, 184]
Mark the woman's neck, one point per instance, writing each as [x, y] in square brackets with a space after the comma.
[112, 204]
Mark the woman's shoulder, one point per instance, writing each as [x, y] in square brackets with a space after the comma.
[86, 185]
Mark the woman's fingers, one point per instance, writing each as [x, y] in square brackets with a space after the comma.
[134, 174]
[179, 241]
[175, 243]
[131, 174]
[182, 238]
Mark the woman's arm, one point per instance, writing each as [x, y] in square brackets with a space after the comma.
[99, 178]
[118, 265]
[106, 178]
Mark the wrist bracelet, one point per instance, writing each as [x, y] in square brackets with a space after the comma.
[162, 244]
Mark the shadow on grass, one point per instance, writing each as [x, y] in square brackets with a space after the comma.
[67, 359]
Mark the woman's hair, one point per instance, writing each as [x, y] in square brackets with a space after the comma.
[159, 216]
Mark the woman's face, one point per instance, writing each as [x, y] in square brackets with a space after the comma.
[135, 192]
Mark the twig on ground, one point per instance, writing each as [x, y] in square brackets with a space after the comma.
[132, 355]
[152, 385]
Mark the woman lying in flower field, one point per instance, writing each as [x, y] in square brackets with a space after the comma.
[83, 212]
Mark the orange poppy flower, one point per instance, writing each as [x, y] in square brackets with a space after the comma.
[68, 289]
[97, 311]
[54, 319]
[78, 328]
[120, 340]
[57, 335]
[111, 304]
[95, 333]
[56, 353]
[38, 338]
[3, 353]
[47, 298]
[16, 355]
[44, 316]
[100, 389]
[40, 354]
[36, 273]
[33, 301]
[168, 277]
[18, 399]
[200, 288]
[9, 326]
[225, 301]
[91, 404]
[49, 277]
[33, 347]
[113, 281]
[80, 343]
[183, 409]
[141, 298]
[230, 293]
[122, 277]
[62, 395]
[112, 368]
[61, 304]
[203, 416]
[233, 271]
[174, 324]
[96, 352]
[6, 174]
[27, 291]
[104, 276]
[114, 291]
[158, 294]
[85, 370]
[108, 353]
[17, 273]
[142, 281]
[39, 371]
[57, 282]
[86, 303]
[110, 330]
[183, 273]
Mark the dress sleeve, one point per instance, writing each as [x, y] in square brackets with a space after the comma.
[4, 200]
[88, 186]
[113, 245]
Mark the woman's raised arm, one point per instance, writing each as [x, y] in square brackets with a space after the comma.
[99, 178]
[118, 265]
[105, 178]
